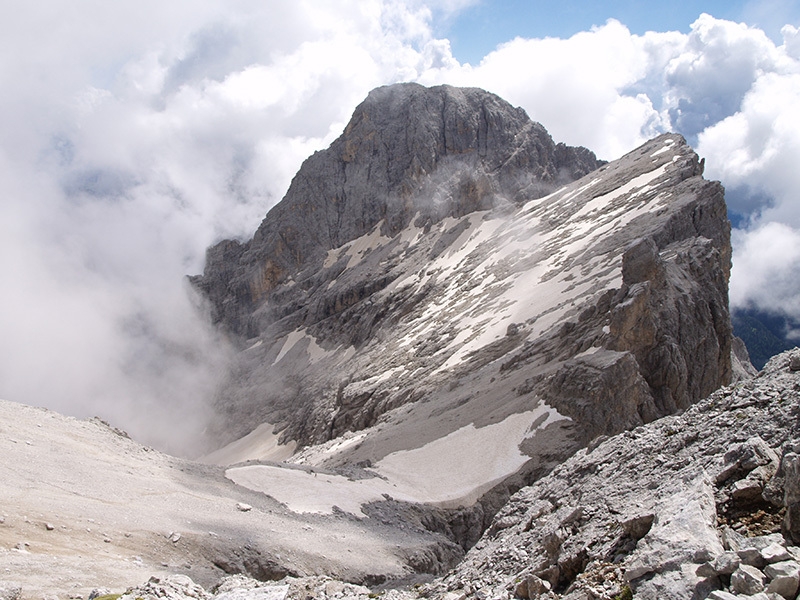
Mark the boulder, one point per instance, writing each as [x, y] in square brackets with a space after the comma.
[790, 465]
[747, 580]
[784, 578]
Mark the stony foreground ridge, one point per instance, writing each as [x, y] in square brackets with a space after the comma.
[700, 505]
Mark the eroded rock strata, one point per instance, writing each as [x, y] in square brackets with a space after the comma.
[435, 271]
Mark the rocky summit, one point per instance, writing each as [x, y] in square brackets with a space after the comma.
[473, 363]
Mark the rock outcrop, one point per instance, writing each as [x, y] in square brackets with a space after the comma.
[691, 506]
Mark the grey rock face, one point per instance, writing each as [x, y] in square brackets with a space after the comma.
[370, 211]
[676, 470]
[409, 152]
[747, 580]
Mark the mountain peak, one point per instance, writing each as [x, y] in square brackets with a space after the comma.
[408, 152]
[430, 287]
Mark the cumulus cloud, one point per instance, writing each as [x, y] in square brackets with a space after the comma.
[769, 255]
[755, 152]
[575, 87]
[137, 134]
[758, 149]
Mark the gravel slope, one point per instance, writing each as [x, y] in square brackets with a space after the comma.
[84, 506]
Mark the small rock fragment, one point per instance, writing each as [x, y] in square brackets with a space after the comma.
[747, 580]
[726, 563]
[784, 578]
[531, 587]
[750, 556]
[243, 507]
[746, 489]
[638, 526]
[10, 591]
[794, 362]
[774, 553]
[706, 570]
[49, 526]
[722, 595]
[457, 595]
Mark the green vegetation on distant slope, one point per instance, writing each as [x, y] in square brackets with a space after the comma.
[763, 334]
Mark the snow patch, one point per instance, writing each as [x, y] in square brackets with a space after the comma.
[314, 351]
[359, 247]
[457, 469]
[259, 444]
[665, 148]
[291, 340]
[452, 471]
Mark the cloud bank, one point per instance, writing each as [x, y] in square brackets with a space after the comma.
[136, 135]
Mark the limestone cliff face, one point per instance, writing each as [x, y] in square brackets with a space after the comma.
[409, 152]
[436, 272]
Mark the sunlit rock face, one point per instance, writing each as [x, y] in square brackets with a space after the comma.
[445, 267]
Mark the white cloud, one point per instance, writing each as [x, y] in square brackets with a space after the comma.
[148, 132]
[575, 87]
[767, 261]
[758, 148]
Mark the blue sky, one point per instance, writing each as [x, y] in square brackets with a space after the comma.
[134, 134]
[476, 30]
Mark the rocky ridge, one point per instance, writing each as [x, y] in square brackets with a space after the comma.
[442, 261]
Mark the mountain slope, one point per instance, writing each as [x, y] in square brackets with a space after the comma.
[84, 506]
[470, 311]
